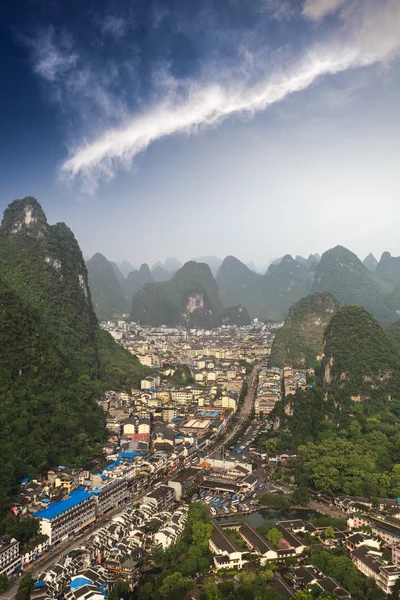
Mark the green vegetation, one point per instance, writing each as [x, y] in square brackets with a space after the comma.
[190, 298]
[236, 315]
[274, 536]
[120, 590]
[55, 360]
[107, 296]
[389, 268]
[3, 582]
[345, 446]
[189, 556]
[182, 377]
[237, 538]
[120, 370]
[338, 564]
[393, 331]
[24, 588]
[275, 501]
[342, 274]
[300, 341]
[359, 356]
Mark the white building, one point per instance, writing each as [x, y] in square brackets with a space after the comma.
[60, 519]
[9, 555]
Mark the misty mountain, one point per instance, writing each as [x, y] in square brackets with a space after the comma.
[300, 341]
[342, 274]
[172, 264]
[214, 262]
[117, 272]
[370, 262]
[160, 274]
[125, 267]
[251, 265]
[136, 280]
[266, 296]
[191, 298]
[303, 261]
[389, 268]
[107, 296]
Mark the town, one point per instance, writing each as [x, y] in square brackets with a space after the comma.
[189, 436]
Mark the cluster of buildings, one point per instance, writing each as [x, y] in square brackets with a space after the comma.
[114, 550]
[275, 383]
[157, 347]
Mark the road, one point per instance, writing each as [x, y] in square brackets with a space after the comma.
[52, 557]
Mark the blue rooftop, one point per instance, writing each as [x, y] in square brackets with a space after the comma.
[57, 508]
[79, 582]
[130, 454]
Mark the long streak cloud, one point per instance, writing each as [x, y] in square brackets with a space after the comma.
[207, 105]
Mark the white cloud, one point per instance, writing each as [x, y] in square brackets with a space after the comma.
[369, 34]
[318, 9]
[52, 60]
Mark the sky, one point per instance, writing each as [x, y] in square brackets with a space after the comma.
[184, 128]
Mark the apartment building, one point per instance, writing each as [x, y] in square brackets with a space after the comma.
[61, 519]
[10, 559]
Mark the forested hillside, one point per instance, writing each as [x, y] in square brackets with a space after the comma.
[300, 341]
[55, 360]
[346, 427]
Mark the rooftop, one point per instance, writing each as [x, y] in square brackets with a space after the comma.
[57, 508]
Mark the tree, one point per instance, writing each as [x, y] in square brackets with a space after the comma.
[3, 582]
[188, 566]
[120, 590]
[203, 565]
[329, 533]
[301, 496]
[201, 533]
[274, 536]
[24, 588]
[146, 590]
[174, 587]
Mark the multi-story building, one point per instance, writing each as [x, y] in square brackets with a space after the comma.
[9, 555]
[61, 519]
[161, 497]
[113, 493]
[369, 562]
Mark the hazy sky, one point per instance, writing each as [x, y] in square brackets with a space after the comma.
[159, 128]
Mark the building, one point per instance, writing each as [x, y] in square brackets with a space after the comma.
[110, 495]
[10, 559]
[228, 555]
[161, 497]
[370, 563]
[68, 516]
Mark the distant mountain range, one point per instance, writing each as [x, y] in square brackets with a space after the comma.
[191, 298]
[269, 296]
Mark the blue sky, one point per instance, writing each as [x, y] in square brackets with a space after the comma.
[184, 128]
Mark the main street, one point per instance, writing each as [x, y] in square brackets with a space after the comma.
[53, 556]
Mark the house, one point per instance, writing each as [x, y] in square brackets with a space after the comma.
[228, 555]
[10, 559]
[161, 497]
[303, 577]
[257, 543]
[369, 562]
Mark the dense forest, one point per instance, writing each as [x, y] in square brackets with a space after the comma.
[55, 360]
[345, 445]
